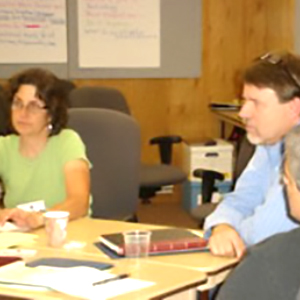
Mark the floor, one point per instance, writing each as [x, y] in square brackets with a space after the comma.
[166, 209]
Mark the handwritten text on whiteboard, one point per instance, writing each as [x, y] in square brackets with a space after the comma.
[33, 31]
[119, 33]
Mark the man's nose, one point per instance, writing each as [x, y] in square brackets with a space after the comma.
[246, 111]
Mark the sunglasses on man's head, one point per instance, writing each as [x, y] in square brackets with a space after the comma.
[277, 59]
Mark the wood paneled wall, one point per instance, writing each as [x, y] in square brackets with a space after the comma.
[233, 32]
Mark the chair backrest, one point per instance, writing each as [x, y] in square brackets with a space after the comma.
[244, 154]
[101, 97]
[112, 140]
[66, 87]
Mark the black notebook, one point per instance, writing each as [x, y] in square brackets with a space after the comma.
[162, 241]
[68, 262]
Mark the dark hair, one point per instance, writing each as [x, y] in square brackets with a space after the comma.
[4, 113]
[279, 71]
[48, 89]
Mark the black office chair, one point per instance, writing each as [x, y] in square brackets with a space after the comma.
[209, 178]
[66, 86]
[112, 141]
[152, 177]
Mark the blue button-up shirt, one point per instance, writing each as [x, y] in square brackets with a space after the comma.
[257, 207]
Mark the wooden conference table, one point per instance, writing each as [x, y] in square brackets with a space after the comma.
[86, 231]
[168, 279]
[170, 274]
[165, 283]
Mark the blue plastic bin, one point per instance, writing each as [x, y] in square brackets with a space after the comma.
[191, 190]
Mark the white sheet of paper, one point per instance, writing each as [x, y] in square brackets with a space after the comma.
[78, 282]
[18, 252]
[11, 227]
[36, 206]
[75, 281]
[115, 288]
[119, 34]
[33, 32]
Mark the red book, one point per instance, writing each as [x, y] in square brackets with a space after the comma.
[163, 241]
[5, 260]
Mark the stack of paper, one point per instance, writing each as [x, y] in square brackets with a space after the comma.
[74, 281]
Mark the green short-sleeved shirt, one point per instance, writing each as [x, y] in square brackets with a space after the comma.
[41, 178]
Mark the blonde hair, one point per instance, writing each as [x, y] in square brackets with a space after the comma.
[292, 151]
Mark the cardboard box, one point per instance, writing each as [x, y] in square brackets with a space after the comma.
[218, 157]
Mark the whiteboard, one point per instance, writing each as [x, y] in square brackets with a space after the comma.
[177, 43]
[121, 33]
[33, 32]
[180, 44]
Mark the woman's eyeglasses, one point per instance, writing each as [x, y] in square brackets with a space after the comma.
[31, 107]
[277, 59]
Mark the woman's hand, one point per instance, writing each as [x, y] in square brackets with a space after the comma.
[31, 220]
[21, 218]
[6, 214]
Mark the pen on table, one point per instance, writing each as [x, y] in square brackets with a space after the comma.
[118, 277]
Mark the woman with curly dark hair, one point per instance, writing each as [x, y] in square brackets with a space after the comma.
[42, 160]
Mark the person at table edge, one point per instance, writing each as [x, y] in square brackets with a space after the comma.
[256, 209]
[270, 269]
[42, 160]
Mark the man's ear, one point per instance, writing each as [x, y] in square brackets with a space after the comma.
[295, 107]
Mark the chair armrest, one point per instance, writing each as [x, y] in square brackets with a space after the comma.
[200, 173]
[166, 139]
[208, 182]
[165, 144]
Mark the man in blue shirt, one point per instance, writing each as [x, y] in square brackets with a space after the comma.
[256, 209]
[270, 270]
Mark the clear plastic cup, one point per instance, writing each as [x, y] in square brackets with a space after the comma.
[137, 243]
[56, 227]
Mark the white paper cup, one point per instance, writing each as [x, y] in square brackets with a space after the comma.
[56, 227]
[136, 243]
